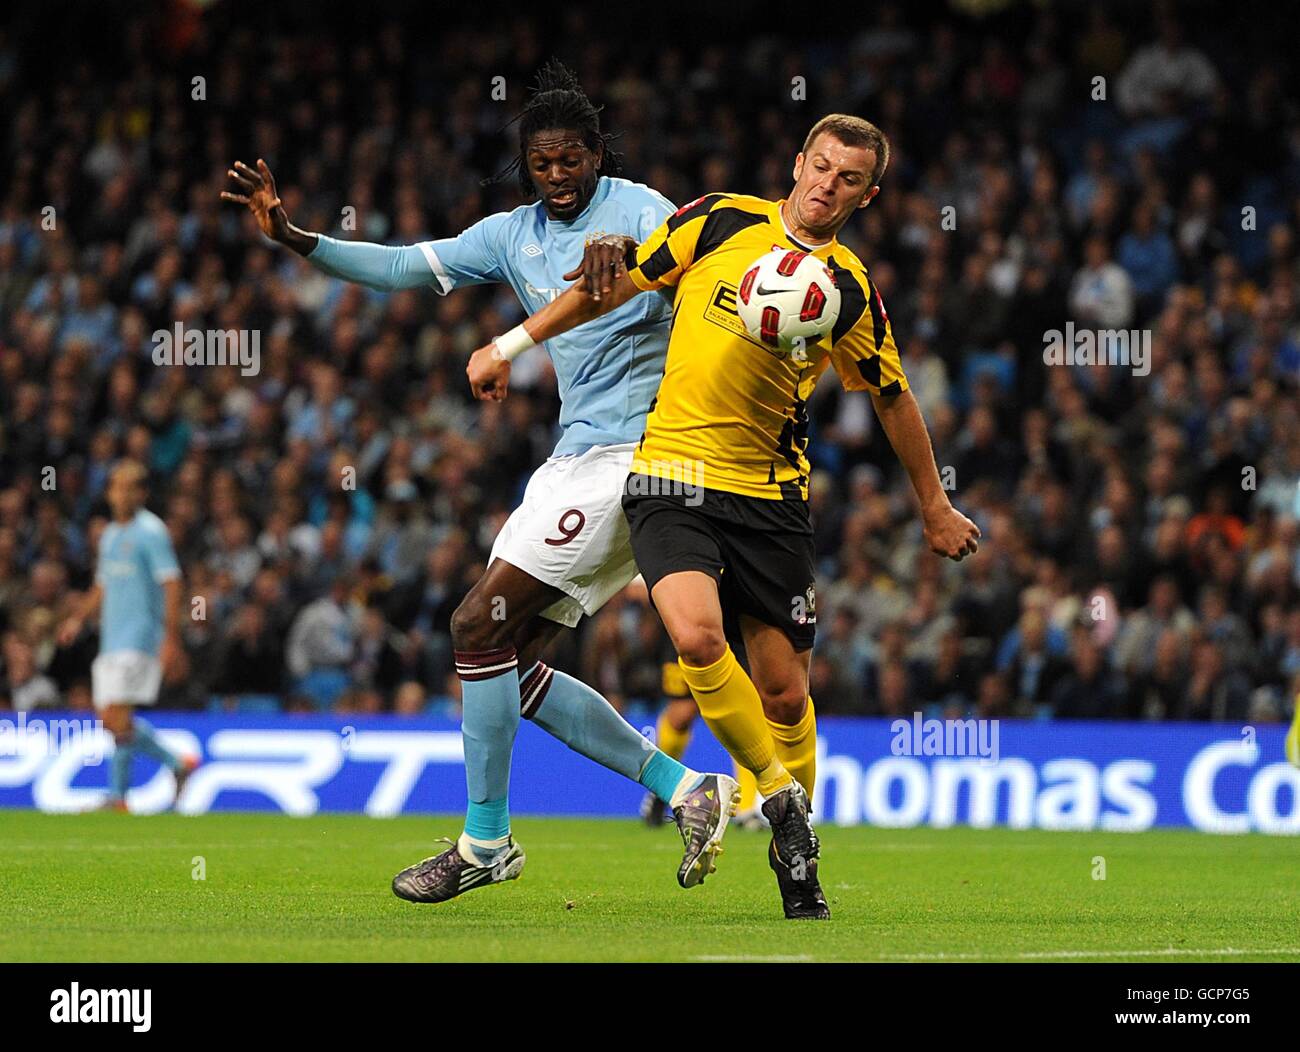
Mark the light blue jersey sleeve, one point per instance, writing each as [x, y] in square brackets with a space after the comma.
[158, 553]
[470, 258]
[607, 370]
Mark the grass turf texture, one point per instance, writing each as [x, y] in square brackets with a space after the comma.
[105, 887]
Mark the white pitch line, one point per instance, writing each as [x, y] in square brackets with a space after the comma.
[771, 958]
[1040, 955]
[1062, 955]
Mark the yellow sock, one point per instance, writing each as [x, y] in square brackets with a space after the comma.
[730, 705]
[669, 739]
[797, 747]
[748, 789]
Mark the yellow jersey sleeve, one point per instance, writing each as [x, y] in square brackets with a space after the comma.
[862, 343]
[658, 262]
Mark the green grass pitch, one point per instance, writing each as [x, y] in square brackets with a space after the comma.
[107, 887]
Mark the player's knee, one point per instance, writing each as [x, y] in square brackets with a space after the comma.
[474, 628]
[700, 645]
[784, 702]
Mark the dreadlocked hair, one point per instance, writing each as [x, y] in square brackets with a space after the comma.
[557, 101]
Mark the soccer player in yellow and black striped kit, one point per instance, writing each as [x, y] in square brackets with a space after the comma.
[717, 497]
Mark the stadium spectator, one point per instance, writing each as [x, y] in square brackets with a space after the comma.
[1137, 645]
[322, 645]
[1089, 690]
[1164, 74]
[26, 687]
[1102, 293]
[1214, 691]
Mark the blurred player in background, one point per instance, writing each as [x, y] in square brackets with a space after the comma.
[565, 551]
[739, 412]
[137, 593]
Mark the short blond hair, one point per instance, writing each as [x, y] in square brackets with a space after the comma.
[131, 469]
[854, 131]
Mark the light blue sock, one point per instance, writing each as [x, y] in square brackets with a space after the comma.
[490, 718]
[145, 740]
[588, 724]
[487, 824]
[664, 777]
[119, 771]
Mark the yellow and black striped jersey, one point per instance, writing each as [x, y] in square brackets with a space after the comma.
[729, 406]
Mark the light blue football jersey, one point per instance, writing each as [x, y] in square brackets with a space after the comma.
[608, 369]
[135, 559]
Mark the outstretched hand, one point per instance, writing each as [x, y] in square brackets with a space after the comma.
[257, 191]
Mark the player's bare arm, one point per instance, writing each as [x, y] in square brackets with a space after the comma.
[173, 654]
[88, 608]
[489, 366]
[947, 531]
[257, 191]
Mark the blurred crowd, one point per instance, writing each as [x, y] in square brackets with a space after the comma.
[1114, 166]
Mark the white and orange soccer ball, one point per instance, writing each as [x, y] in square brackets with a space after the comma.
[788, 299]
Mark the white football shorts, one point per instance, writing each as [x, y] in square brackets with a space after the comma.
[125, 676]
[570, 531]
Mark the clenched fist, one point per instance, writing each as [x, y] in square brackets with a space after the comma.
[489, 374]
[949, 533]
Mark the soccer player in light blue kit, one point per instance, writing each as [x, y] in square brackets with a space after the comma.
[137, 593]
[565, 550]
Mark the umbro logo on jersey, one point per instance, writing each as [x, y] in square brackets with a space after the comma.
[531, 250]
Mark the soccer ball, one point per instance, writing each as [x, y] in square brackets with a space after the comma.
[788, 299]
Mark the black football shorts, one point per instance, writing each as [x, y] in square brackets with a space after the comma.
[759, 551]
